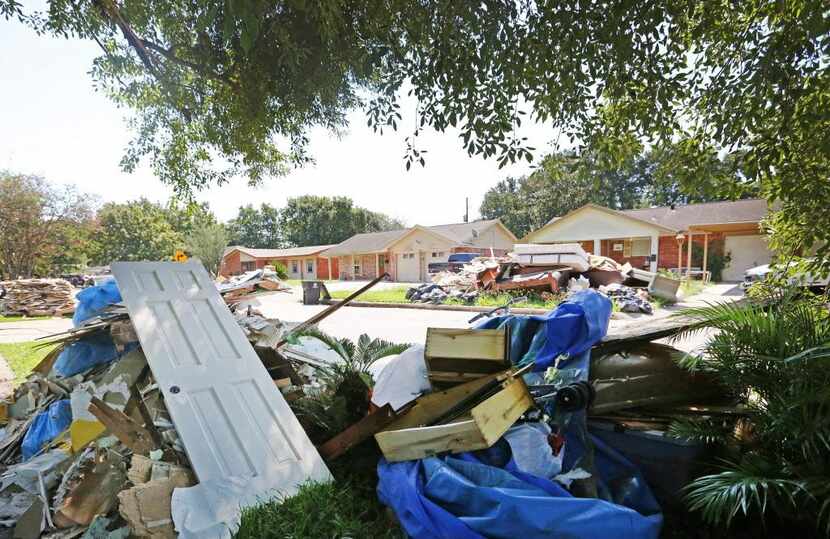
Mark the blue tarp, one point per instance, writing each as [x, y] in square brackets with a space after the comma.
[571, 329]
[46, 425]
[88, 352]
[93, 299]
[473, 495]
[461, 496]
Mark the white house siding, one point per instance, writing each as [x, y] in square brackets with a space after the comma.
[494, 237]
[421, 245]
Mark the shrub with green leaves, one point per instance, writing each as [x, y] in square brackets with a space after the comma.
[774, 358]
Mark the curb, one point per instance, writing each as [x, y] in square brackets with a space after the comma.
[431, 307]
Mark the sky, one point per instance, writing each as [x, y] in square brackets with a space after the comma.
[53, 123]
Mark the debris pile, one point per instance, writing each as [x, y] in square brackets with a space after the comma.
[91, 443]
[546, 269]
[164, 412]
[37, 297]
[251, 284]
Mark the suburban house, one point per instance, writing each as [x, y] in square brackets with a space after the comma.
[405, 254]
[301, 262]
[662, 237]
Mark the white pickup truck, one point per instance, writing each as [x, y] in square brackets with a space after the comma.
[759, 273]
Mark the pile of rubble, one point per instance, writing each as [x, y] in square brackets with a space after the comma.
[251, 284]
[166, 411]
[539, 269]
[37, 297]
[89, 445]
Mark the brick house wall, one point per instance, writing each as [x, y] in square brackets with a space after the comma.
[667, 250]
[231, 265]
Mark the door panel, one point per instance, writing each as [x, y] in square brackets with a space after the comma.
[232, 419]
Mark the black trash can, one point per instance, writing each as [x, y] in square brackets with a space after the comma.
[311, 292]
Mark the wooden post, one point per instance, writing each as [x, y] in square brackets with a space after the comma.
[689, 257]
[377, 264]
[705, 253]
[328, 260]
[654, 252]
[597, 247]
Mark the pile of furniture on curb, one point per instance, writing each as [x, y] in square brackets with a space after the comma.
[548, 269]
[37, 297]
[165, 412]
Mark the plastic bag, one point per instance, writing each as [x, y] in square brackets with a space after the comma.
[93, 299]
[48, 424]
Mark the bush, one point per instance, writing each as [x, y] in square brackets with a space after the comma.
[773, 359]
[280, 269]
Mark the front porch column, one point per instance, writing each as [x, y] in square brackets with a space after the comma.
[705, 252]
[377, 265]
[655, 250]
[597, 247]
[689, 257]
[328, 261]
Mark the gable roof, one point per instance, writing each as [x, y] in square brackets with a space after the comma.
[590, 206]
[278, 253]
[707, 213]
[371, 242]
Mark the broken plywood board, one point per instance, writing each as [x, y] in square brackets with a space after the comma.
[487, 422]
[234, 423]
[458, 355]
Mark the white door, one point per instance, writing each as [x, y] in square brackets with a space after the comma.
[409, 267]
[233, 421]
[746, 252]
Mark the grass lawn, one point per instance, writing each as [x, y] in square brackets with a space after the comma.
[386, 295]
[22, 357]
[18, 318]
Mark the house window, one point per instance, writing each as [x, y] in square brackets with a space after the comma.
[295, 268]
[619, 247]
[641, 247]
[356, 267]
[249, 266]
[309, 266]
[437, 254]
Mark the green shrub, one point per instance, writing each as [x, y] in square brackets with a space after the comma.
[774, 359]
[280, 269]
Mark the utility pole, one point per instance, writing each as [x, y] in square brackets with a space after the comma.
[467, 209]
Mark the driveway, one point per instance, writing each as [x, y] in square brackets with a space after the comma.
[32, 329]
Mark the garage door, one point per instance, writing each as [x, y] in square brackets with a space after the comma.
[746, 252]
[409, 267]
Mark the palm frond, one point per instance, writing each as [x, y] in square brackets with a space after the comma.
[707, 430]
[746, 487]
[338, 345]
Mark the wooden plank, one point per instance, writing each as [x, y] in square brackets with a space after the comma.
[421, 442]
[498, 413]
[357, 433]
[433, 405]
[481, 344]
[130, 433]
[490, 420]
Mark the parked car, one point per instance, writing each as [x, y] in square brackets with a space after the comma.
[454, 263]
[760, 273]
